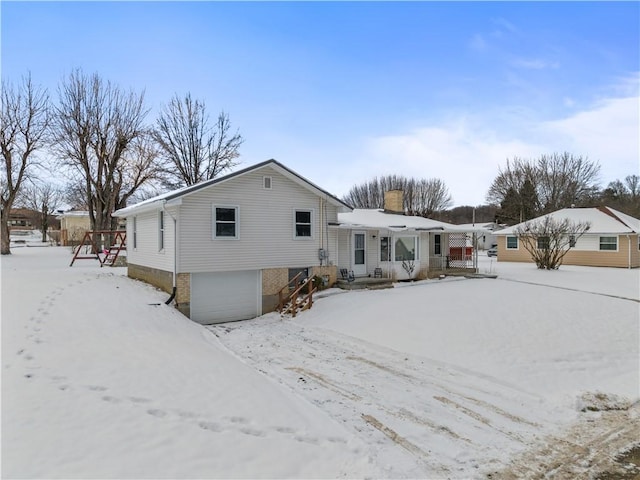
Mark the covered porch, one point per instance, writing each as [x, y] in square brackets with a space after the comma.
[401, 253]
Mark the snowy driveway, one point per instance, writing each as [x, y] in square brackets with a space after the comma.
[459, 387]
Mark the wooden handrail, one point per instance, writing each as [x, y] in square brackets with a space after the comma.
[284, 299]
[306, 302]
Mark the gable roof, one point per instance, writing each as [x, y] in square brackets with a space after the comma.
[601, 220]
[152, 203]
[377, 219]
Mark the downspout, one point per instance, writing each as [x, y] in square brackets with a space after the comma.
[326, 229]
[321, 253]
[175, 255]
[629, 242]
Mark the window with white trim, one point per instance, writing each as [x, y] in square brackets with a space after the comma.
[512, 243]
[135, 232]
[385, 249]
[406, 248]
[303, 223]
[609, 243]
[161, 230]
[225, 222]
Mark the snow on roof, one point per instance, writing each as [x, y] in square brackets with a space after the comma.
[478, 225]
[73, 213]
[601, 220]
[377, 218]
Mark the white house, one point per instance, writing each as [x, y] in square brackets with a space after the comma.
[390, 242]
[611, 241]
[226, 246]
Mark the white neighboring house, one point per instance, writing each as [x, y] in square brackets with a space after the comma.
[613, 239]
[381, 240]
[485, 232]
[226, 246]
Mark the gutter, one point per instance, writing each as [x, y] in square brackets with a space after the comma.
[175, 254]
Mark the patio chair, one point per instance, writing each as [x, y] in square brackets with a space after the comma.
[347, 275]
[377, 273]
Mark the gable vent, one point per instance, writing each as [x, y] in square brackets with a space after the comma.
[266, 183]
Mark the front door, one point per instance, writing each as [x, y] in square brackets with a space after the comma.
[359, 253]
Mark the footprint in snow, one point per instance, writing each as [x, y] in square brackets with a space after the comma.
[253, 432]
[157, 413]
[110, 399]
[96, 388]
[139, 400]
[238, 420]
[336, 440]
[303, 439]
[214, 427]
[284, 430]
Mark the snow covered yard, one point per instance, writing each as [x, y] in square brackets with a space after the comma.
[437, 379]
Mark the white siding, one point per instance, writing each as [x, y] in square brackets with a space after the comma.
[266, 225]
[147, 253]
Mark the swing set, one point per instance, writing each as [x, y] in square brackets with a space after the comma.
[88, 247]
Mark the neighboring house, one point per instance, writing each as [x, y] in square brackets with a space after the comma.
[225, 247]
[22, 218]
[370, 239]
[73, 225]
[611, 241]
[486, 236]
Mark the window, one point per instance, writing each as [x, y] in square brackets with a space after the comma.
[295, 271]
[437, 244]
[405, 248]
[385, 249]
[609, 243]
[266, 183]
[543, 243]
[303, 223]
[225, 222]
[135, 232]
[161, 230]
[572, 241]
[512, 243]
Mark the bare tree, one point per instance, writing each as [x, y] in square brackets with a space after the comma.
[43, 198]
[564, 179]
[423, 197]
[195, 150]
[548, 240]
[24, 123]
[96, 129]
[624, 196]
[558, 180]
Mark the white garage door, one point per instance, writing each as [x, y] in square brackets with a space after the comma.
[223, 297]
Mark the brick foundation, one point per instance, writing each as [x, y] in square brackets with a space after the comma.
[153, 276]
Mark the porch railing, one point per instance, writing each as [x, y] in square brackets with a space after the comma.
[447, 262]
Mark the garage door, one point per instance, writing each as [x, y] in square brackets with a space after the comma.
[224, 297]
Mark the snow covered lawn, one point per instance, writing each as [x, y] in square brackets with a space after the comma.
[456, 378]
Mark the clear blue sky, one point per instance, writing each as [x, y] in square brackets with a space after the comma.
[342, 92]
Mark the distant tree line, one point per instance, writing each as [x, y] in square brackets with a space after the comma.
[421, 197]
[104, 144]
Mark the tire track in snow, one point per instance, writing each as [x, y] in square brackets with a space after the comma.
[355, 381]
[619, 297]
